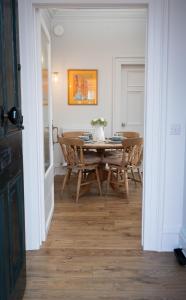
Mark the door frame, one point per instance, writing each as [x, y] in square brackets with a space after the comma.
[45, 223]
[155, 108]
[118, 62]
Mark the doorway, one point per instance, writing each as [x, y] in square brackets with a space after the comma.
[97, 54]
[151, 192]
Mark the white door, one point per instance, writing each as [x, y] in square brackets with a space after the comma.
[132, 98]
[47, 126]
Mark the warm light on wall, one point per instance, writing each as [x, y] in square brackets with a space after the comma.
[42, 59]
[55, 76]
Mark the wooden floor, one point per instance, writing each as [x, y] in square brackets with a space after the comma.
[93, 253]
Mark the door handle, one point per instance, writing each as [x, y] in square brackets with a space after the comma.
[14, 116]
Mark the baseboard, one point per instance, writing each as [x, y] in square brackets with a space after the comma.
[49, 219]
[59, 170]
[182, 240]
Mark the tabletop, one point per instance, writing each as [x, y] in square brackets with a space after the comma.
[103, 145]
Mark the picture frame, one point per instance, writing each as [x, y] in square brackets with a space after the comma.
[82, 87]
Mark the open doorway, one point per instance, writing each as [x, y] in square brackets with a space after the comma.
[73, 47]
[154, 136]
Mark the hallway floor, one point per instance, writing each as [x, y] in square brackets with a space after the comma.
[93, 252]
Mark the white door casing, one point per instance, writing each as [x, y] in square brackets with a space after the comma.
[155, 115]
[43, 181]
[47, 130]
[131, 116]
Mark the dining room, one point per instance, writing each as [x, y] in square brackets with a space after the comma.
[93, 82]
[110, 46]
[98, 75]
[93, 68]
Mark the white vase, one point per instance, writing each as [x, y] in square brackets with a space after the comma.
[99, 134]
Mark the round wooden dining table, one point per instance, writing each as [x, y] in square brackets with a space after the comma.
[101, 147]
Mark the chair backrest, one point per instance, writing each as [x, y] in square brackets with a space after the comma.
[72, 151]
[73, 134]
[132, 151]
[129, 134]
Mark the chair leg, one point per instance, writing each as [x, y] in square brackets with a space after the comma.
[69, 174]
[98, 181]
[133, 177]
[108, 179]
[78, 185]
[65, 180]
[126, 183]
[118, 174]
[139, 173]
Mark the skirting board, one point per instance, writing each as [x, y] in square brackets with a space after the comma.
[59, 170]
[182, 240]
[49, 219]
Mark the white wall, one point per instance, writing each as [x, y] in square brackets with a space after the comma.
[181, 86]
[176, 115]
[181, 77]
[183, 229]
[92, 44]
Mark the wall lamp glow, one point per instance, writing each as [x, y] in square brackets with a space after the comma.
[55, 76]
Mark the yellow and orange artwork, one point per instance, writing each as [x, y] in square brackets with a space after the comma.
[82, 87]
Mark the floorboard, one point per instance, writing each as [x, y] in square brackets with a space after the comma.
[93, 252]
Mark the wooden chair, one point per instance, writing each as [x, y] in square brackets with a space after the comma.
[136, 165]
[129, 134]
[73, 134]
[79, 161]
[120, 162]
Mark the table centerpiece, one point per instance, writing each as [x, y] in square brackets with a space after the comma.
[98, 125]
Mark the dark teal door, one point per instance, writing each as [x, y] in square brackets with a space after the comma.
[12, 230]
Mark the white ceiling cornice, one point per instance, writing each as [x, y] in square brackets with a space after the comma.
[46, 13]
[96, 14]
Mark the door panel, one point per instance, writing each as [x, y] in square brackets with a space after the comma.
[135, 76]
[10, 60]
[47, 124]
[12, 229]
[16, 232]
[46, 98]
[4, 246]
[135, 100]
[8, 54]
[132, 98]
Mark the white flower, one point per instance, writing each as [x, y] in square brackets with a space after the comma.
[99, 122]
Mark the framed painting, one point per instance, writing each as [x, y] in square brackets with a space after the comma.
[82, 87]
